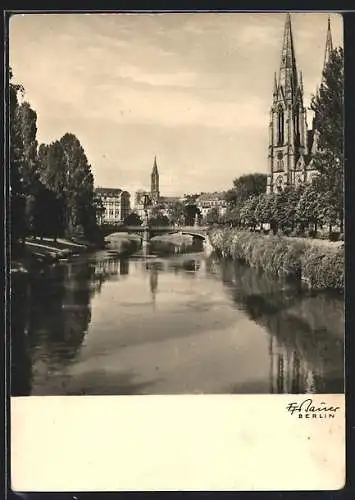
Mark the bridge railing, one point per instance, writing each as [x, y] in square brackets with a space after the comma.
[196, 229]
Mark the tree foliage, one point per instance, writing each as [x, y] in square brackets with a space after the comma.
[328, 107]
[52, 187]
[133, 219]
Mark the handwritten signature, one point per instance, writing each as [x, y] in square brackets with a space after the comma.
[307, 409]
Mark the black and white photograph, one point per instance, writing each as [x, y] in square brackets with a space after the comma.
[176, 251]
[177, 221]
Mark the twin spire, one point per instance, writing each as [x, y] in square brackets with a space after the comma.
[289, 80]
[328, 45]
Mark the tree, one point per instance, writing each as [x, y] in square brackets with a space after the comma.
[328, 107]
[17, 195]
[52, 175]
[191, 212]
[27, 120]
[230, 197]
[133, 219]
[284, 208]
[159, 220]
[232, 216]
[249, 185]
[80, 216]
[247, 212]
[176, 213]
[309, 207]
[65, 171]
[99, 208]
[212, 216]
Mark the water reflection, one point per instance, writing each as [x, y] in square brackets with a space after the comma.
[306, 344]
[100, 315]
[153, 282]
[50, 317]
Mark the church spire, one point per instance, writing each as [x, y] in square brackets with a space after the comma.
[328, 45]
[154, 186]
[288, 69]
[155, 168]
[275, 85]
[301, 82]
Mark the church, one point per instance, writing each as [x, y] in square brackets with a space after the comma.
[291, 144]
[148, 200]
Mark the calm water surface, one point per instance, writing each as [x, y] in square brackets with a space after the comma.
[183, 323]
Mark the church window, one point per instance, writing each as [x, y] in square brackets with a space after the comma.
[280, 162]
[297, 125]
[280, 165]
[279, 182]
[280, 127]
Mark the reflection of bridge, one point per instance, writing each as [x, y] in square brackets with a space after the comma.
[146, 232]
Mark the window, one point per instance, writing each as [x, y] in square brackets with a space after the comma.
[279, 183]
[280, 126]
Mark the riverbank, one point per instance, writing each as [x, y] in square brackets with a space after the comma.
[36, 252]
[319, 264]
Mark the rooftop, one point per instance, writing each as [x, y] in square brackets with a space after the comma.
[109, 191]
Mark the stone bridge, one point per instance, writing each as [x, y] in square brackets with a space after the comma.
[146, 232]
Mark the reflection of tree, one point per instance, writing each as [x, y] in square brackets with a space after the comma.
[60, 312]
[306, 328]
[153, 282]
[21, 369]
[50, 323]
[124, 267]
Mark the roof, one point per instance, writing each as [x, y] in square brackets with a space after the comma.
[169, 199]
[210, 197]
[109, 191]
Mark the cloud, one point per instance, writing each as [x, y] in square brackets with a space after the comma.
[195, 89]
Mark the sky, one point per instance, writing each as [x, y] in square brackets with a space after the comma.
[194, 89]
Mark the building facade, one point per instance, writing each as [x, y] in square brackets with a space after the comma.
[139, 202]
[291, 144]
[207, 201]
[116, 205]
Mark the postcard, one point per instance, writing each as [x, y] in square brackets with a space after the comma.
[177, 251]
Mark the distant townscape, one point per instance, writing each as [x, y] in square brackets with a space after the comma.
[294, 162]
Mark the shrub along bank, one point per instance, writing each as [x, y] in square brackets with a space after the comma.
[321, 266]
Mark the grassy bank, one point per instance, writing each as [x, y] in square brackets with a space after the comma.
[320, 266]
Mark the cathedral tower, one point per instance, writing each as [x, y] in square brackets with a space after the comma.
[327, 53]
[288, 124]
[154, 185]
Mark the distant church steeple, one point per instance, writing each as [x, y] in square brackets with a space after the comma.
[154, 186]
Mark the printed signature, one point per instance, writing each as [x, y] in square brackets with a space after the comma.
[307, 409]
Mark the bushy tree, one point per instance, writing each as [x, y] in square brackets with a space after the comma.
[247, 212]
[17, 195]
[309, 208]
[246, 186]
[133, 219]
[176, 213]
[190, 213]
[328, 107]
[158, 220]
[212, 216]
[66, 172]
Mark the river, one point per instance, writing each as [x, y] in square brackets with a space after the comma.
[182, 323]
